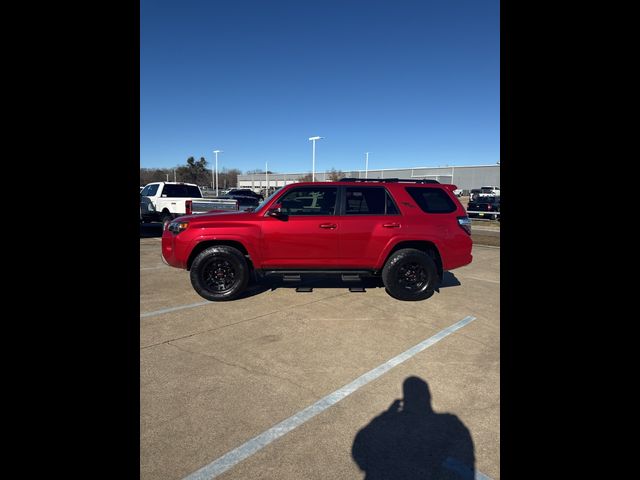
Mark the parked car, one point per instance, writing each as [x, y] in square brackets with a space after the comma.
[484, 206]
[491, 189]
[405, 232]
[147, 210]
[244, 201]
[172, 199]
[246, 192]
[458, 192]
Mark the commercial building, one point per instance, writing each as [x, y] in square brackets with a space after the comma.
[465, 177]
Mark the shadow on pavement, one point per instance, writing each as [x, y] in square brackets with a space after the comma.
[410, 441]
[449, 280]
[150, 230]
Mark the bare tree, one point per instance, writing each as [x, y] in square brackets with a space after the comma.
[335, 175]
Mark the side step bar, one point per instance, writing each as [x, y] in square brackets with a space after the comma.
[295, 275]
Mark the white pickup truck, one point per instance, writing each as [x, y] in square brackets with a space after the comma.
[169, 200]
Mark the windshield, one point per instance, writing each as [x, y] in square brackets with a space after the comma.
[266, 200]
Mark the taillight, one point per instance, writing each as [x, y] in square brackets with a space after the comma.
[188, 205]
[465, 224]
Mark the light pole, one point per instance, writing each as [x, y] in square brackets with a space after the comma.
[217, 152]
[366, 165]
[313, 164]
[266, 178]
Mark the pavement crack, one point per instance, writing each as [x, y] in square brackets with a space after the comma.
[246, 369]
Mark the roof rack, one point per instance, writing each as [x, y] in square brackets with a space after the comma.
[385, 180]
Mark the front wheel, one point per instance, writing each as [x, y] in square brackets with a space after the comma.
[166, 219]
[219, 273]
[410, 274]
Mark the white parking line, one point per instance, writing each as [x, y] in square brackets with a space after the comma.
[173, 309]
[153, 268]
[481, 279]
[244, 451]
[476, 245]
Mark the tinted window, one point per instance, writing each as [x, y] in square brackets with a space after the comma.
[486, 200]
[181, 191]
[432, 200]
[391, 206]
[368, 201]
[309, 201]
[150, 190]
[245, 201]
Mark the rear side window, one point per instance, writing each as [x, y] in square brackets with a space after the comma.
[368, 201]
[309, 201]
[432, 200]
[181, 191]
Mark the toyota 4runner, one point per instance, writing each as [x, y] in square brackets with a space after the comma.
[406, 232]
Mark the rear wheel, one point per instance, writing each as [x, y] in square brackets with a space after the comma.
[410, 274]
[219, 273]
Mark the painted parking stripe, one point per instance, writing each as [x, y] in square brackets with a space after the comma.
[481, 279]
[173, 309]
[244, 451]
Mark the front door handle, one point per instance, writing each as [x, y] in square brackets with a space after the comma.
[391, 225]
[328, 225]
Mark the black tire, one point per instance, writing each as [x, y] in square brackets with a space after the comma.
[219, 273]
[410, 274]
[166, 219]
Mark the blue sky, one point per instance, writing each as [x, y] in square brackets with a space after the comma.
[413, 82]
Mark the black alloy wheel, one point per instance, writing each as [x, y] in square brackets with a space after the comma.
[219, 273]
[410, 274]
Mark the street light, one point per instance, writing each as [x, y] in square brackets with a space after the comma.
[366, 165]
[313, 171]
[217, 152]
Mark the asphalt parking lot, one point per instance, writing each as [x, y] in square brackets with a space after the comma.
[215, 375]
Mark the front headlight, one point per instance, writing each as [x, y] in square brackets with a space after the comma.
[177, 227]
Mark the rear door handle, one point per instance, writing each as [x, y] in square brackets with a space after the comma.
[328, 225]
[391, 225]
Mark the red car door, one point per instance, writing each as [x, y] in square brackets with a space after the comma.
[369, 221]
[305, 235]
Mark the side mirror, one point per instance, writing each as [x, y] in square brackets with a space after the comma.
[275, 211]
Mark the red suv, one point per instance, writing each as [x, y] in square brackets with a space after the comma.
[406, 232]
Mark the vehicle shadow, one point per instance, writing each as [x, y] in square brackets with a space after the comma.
[449, 280]
[273, 283]
[150, 230]
[254, 288]
[409, 440]
[321, 282]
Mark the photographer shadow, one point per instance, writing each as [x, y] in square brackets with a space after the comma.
[411, 441]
